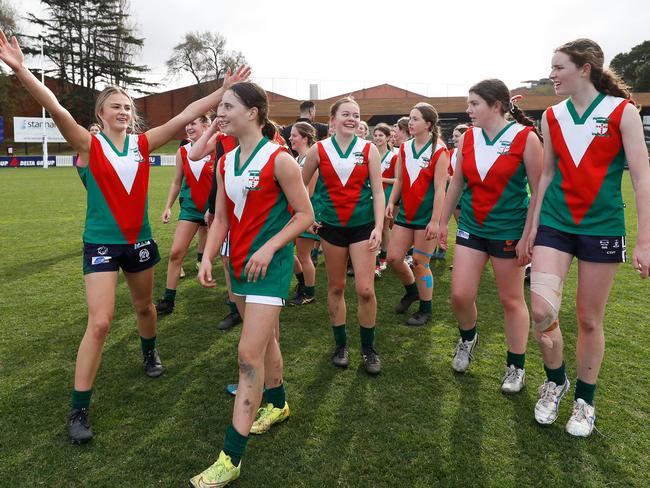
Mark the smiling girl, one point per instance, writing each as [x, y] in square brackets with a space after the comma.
[352, 217]
[257, 183]
[115, 169]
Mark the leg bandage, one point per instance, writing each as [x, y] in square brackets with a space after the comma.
[422, 272]
[549, 287]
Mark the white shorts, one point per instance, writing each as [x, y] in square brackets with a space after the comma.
[225, 247]
[262, 300]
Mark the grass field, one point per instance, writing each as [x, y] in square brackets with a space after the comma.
[416, 425]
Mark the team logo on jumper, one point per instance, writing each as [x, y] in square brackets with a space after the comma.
[601, 128]
[144, 255]
[137, 155]
[95, 260]
[504, 148]
[425, 162]
[253, 180]
[359, 159]
[138, 245]
[102, 250]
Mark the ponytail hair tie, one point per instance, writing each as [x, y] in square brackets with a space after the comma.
[513, 100]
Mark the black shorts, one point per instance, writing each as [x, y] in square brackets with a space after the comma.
[411, 226]
[492, 247]
[111, 257]
[344, 236]
[593, 249]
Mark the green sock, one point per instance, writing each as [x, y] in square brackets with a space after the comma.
[234, 445]
[81, 399]
[585, 391]
[367, 336]
[232, 306]
[425, 306]
[309, 290]
[518, 360]
[340, 335]
[301, 279]
[557, 376]
[147, 344]
[468, 335]
[199, 256]
[276, 396]
[411, 289]
[170, 294]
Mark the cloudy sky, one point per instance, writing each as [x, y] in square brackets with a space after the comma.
[431, 47]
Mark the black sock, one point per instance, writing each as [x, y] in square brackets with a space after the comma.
[557, 376]
[468, 335]
[516, 360]
[301, 280]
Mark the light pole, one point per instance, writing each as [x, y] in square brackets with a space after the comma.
[45, 161]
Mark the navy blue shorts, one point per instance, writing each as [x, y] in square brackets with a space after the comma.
[593, 249]
[111, 257]
[492, 247]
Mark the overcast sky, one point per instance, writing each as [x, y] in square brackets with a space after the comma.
[431, 47]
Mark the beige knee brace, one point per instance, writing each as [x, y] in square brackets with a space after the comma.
[549, 287]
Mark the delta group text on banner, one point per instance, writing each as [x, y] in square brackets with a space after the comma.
[25, 161]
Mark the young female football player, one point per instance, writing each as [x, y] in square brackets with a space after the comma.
[420, 179]
[589, 136]
[257, 182]
[497, 159]
[351, 217]
[303, 136]
[115, 167]
[192, 180]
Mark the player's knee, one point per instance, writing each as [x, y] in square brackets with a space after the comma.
[393, 258]
[546, 290]
[422, 272]
[99, 325]
[248, 359]
[144, 308]
[512, 303]
[336, 289]
[461, 299]
[177, 254]
[588, 323]
[365, 294]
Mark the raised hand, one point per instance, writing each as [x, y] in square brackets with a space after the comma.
[242, 73]
[10, 52]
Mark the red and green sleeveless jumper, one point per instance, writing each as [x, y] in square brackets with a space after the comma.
[584, 196]
[388, 162]
[495, 199]
[196, 185]
[344, 184]
[117, 182]
[257, 210]
[418, 191]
